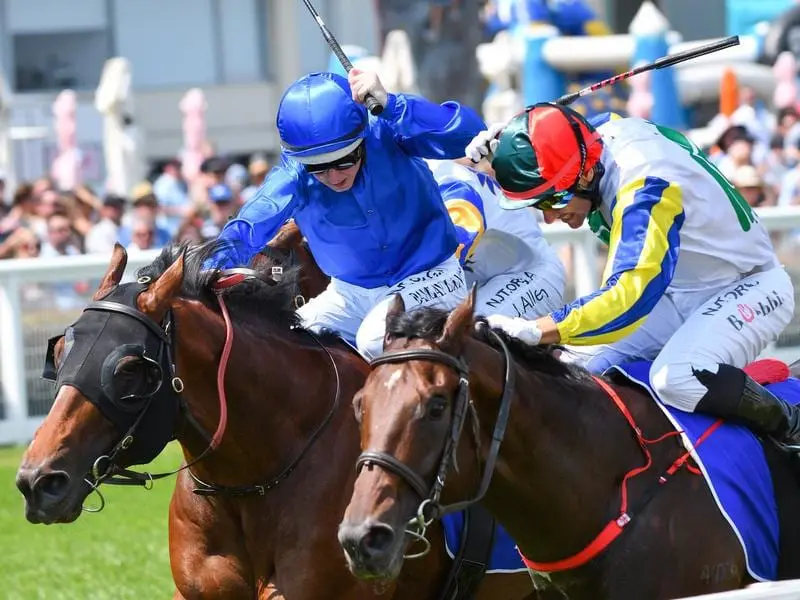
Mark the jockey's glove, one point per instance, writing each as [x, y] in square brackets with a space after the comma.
[522, 329]
[484, 143]
[367, 82]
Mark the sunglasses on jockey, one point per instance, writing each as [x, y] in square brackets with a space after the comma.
[346, 162]
[550, 198]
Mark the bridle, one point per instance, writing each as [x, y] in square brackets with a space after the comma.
[431, 508]
[105, 468]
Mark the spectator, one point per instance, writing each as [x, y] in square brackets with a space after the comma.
[173, 194]
[22, 210]
[143, 233]
[222, 208]
[105, 233]
[788, 125]
[21, 243]
[49, 202]
[751, 187]
[145, 205]
[257, 169]
[737, 146]
[41, 185]
[83, 207]
[773, 168]
[236, 178]
[60, 239]
[789, 194]
[213, 170]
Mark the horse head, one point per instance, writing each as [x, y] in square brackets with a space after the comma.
[114, 380]
[411, 412]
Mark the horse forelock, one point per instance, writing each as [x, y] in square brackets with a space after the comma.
[252, 300]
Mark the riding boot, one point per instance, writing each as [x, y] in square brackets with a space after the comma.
[753, 405]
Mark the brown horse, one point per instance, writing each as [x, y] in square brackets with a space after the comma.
[557, 477]
[255, 513]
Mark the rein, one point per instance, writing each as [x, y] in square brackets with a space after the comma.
[115, 475]
[625, 516]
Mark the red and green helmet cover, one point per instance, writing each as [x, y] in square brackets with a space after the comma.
[541, 154]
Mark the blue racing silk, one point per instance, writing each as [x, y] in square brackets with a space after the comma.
[391, 224]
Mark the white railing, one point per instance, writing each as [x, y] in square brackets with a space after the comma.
[773, 590]
[18, 425]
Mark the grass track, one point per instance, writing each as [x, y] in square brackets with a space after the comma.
[117, 554]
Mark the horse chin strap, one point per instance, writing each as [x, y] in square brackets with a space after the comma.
[431, 508]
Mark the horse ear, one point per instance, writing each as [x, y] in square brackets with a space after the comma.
[396, 308]
[459, 324]
[155, 300]
[114, 273]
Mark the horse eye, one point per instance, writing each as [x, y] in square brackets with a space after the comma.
[136, 376]
[357, 407]
[436, 407]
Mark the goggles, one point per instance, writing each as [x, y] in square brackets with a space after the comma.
[344, 163]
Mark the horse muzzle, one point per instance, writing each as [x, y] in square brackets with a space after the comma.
[51, 496]
[373, 549]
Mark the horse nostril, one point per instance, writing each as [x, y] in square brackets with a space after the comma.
[377, 540]
[24, 485]
[51, 486]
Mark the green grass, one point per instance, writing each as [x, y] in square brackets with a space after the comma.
[116, 554]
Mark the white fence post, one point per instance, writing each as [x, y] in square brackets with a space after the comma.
[15, 394]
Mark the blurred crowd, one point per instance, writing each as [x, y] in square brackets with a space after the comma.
[758, 150]
[45, 221]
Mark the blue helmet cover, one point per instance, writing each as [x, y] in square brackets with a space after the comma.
[317, 115]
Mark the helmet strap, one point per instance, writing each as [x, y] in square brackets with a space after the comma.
[591, 191]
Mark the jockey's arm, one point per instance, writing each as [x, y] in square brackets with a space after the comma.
[257, 221]
[643, 252]
[429, 130]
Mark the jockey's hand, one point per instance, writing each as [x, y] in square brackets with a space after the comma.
[484, 143]
[522, 329]
[366, 82]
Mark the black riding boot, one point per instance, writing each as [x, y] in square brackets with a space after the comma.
[732, 394]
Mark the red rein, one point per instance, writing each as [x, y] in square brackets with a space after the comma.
[614, 528]
[221, 284]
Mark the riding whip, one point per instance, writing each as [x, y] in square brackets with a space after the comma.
[661, 63]
[372, 103]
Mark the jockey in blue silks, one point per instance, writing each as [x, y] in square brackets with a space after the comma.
[364, 198]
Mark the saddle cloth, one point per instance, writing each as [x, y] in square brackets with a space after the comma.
[733, 463]
[504, 557]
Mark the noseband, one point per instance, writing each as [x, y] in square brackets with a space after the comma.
[430, 507]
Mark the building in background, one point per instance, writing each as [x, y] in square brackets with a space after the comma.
[242, 53]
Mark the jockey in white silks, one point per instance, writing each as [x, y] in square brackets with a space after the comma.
[692, 281]
[517, 272]
[367, 204]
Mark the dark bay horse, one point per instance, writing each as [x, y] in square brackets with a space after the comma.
[557, 479]
[140, 367]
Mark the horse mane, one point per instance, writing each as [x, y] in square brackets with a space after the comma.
[253, 300]
[428, 324]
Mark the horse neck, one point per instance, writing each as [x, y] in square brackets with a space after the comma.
[269, 416]
[562, 457]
